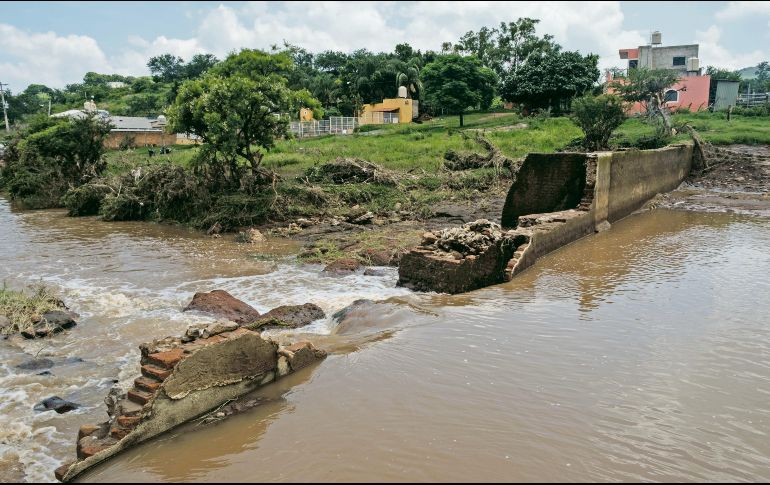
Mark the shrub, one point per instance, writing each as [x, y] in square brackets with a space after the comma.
[85, 200]
[598, 117]
[124, 206]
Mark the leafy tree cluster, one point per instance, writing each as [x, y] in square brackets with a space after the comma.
[53, 155]
[532, 70]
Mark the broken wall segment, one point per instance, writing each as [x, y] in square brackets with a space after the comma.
[181, 381]
[596, 188]
[546, 182]
[460, 259]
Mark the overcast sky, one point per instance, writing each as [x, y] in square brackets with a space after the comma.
[55, 43]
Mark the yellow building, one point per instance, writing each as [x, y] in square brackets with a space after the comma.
[395, 110]
[306, 114]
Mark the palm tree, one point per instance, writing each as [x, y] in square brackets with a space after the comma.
[410, 77]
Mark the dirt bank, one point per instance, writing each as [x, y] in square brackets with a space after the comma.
[379, 241]
[737, 181]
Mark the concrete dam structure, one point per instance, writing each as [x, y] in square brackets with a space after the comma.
[555, 199]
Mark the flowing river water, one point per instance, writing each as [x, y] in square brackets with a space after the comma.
[640, 353]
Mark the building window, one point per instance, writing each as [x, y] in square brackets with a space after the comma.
[672, 96]
[624, 54]
[679, 61]
[633, 64]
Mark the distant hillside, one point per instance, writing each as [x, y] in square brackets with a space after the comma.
[748, 72]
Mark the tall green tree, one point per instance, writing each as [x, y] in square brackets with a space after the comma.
[456, 83]
[551, 79]
[238, 109]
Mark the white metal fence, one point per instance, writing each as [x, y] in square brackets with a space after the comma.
[750, 100]
[335, 125]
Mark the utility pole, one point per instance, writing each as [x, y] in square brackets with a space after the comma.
[5, 109]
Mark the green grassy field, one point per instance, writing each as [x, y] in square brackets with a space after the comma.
[415, 153]
[422, 146]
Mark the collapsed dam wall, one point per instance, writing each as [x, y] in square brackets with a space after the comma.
[556, 199]
[182, 380]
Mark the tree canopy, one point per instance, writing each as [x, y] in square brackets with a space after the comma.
[456, 83]
[238, 109]
[551, 79]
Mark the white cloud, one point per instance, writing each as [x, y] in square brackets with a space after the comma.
[596, 27]
[739, 10]
[714, 54]
[48, 58]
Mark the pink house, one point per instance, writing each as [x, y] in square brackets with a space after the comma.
[692, 90]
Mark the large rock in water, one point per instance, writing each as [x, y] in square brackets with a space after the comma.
[288, 316]
[222, 304]
[57, 404]
[341, 267]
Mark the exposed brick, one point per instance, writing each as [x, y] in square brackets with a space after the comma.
[87, 430]
[62, 470]
[167, 359]
[119, 433]
[159, 373]
[128, 421]
[88, 451]
[139, 396]
[147, 383]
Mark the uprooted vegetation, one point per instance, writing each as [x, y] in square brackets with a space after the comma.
[494, 158]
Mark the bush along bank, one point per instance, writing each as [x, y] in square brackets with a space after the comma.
[350, 190]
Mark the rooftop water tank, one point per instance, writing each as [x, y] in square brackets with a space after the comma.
[693, 64]
[401, 91]
[656, 38]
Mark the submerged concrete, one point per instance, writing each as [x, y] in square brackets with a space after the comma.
[181, 381]
[573, 195]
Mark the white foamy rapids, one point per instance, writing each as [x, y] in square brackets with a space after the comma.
[26, 438]
[298, 284]
[115, 316]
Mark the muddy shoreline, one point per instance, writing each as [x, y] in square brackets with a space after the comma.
[741, 186]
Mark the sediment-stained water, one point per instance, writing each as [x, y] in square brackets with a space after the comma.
[640, 353]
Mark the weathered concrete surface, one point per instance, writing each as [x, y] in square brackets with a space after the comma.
[181, 381]
[556, 199]
[639, 175]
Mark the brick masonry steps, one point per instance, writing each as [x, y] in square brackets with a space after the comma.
[149, 384]
[138, 396]
[130, 408]
[128, 421]
[166, 359]
[149, 370]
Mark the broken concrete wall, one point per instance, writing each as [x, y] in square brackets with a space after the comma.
[181, 381]
[638, 175]
[581, 194]
[546, 182]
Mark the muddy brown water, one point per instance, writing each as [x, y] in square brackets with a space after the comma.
[640, 353]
